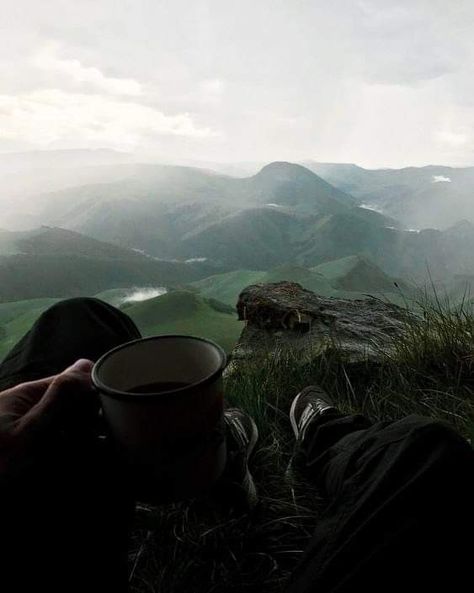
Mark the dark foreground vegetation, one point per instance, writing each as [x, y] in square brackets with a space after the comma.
[211, 546]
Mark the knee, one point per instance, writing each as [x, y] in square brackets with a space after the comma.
[436, 436]
[429, 429]
[90, 315]
[73, 306]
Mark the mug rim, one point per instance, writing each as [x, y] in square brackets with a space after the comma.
[119, 394]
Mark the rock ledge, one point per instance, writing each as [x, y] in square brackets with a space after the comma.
[285, 315]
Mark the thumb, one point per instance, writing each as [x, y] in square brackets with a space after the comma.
[83, 365]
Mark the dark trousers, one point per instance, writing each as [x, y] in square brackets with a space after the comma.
[64, 524]
[400, 514]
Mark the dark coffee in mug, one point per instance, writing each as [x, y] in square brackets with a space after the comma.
[158, 387]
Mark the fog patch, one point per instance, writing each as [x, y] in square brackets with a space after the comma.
[137, 295]
[441, 179]
[145, 254]
[141, 251]
[372, 207]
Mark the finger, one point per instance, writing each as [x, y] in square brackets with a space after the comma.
[34, 390]
[69, 396]
[19, 399]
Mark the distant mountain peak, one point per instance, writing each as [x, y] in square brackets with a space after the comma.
[285, 169]
[290, 184]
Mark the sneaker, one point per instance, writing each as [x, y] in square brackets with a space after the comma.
[309, 404]
[242, 436]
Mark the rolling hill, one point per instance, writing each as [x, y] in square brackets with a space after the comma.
[185, 312]
[226, 287]
[53, 241]
[257, 238]
[356, 273]
[52, 262]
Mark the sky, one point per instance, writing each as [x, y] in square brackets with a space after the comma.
[379, 83]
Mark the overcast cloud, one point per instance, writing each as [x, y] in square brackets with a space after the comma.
[376, 82]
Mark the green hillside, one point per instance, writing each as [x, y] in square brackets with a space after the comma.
[16, 318]
[184, 312]
[257, 238]
[54, 262]
[29, 276]
[114, 296]
[227, 287]
[355, 273]
[53, 240]
[309, 279]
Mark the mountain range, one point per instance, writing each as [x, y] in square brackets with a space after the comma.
[284, 214]
[418, 197]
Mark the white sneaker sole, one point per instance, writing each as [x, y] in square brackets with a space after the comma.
[294, 424]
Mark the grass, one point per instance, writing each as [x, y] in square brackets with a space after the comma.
[210, 547]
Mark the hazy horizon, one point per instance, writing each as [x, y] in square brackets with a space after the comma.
[138, 158]
[384, 84]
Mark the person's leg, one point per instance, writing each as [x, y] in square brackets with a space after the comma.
[400, 506]
[65, 524]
